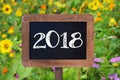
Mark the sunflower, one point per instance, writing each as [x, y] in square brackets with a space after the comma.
[59, 5]
[94, 5]
[11, 55]
[19, 13]
[4, 35]
[11, 30]
[5, 46]
[112, 22]
[7, 9]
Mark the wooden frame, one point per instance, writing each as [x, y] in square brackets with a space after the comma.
[58, 18]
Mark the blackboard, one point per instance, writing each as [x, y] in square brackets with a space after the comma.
[58, 52]
[57, 40]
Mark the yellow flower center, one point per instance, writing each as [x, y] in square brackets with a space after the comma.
[7, 9]
[6, 46]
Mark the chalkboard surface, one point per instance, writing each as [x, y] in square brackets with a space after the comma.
[57, 52]
[60, 40]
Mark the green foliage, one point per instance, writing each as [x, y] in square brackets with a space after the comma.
[106, 39]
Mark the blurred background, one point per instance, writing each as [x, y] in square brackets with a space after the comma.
[107, 38]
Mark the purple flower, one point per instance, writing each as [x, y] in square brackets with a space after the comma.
[95, 65]
[117, 79]
[53, 68]
[20, 45]
[114, 77]
[115, 59]
[16, 76]
[98, 60]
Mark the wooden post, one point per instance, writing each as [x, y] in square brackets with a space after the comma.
[58, 73]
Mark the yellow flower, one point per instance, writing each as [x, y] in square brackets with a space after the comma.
[112, 5]
[98, 19]
[1, 1]
[14, 3]
[42, 11]
[4, 35]
[94, 5]
[13, 0]
[108, 1]
[5, 46]
[7, 9]
[83, 6]
[115, 64]
[98, 14]
[58, 4]
[112, 22]
[74, 9]
[19, 13]
[11, 55]
[54, 10]
[50, 2]
[11, 30]
[43, 7]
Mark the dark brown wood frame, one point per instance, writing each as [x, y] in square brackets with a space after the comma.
[58, 18]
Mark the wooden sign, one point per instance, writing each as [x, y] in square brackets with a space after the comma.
[57, 40]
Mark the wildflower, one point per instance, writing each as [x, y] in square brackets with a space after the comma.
[112, 22]
[20, 45]
[42, 11]
[16, 76]
[95, 65]
[94, 5]
[115, 64]
[98, 19]
[1, 1]
[5, 46]
[58, 4]
[74, 9]
[112, 5]
[50, 2]
[54, 10]
[14, 3]
[83, 6]
[7, 9]
[98, 60]
[19, 13]
[53, 68]
[98, 14]
[11, 30]
[114, 77]
[115, 59]
[43, 7]
[4, 35]
[5, 70]
[108, 1]
[11, 55]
